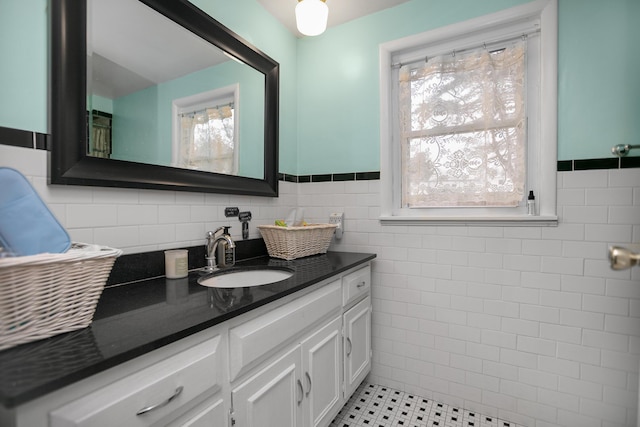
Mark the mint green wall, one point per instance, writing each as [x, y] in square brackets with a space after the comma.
[135, 128]
[599, 77]
[329, 112]
[100, 103]
[338, 96]
[23, 68]
[252, 22]
[338, 117]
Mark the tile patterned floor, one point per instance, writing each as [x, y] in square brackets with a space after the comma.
[378, 406]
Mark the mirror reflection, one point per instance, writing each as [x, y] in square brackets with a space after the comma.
[161, 95]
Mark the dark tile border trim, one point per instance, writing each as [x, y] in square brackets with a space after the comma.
[594, 164]
[590, 164]
[40, 141]
[565, 165]
[344, 176]
[364, 176]
[23, 138]
[629, 162]
[330, 177]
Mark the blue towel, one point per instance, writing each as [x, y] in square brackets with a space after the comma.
[27, 226]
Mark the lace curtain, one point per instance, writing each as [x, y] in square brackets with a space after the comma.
[207, 140]
[463, 129]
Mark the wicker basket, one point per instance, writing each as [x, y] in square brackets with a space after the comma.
[48, 294]
[297, 242]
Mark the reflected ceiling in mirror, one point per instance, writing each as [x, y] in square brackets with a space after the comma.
[159, 94]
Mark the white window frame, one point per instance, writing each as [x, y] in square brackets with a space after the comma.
[201, 101]
[538, 16]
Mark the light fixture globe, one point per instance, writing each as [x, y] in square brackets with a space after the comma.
[311, 17]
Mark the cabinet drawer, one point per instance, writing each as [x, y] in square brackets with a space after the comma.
[355, 285]
[184, 376]
[256, 339]
[210, 414]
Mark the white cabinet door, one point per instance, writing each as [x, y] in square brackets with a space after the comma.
[357, 345]
[272, 397]
[322, 369]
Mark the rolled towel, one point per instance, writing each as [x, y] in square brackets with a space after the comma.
[27, 226]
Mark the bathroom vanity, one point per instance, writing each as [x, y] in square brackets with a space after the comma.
[173, 352]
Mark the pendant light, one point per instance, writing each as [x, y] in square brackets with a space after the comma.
[311, 17]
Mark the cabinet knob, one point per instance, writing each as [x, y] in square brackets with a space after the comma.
[161, 404]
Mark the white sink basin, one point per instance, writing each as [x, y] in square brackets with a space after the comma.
[245, 278]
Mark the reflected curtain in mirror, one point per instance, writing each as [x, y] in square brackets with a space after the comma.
[207, 140]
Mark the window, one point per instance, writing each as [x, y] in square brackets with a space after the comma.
[205, 131]
[462, 128]
[464, 136]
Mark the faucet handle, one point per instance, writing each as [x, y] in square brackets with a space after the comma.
[212, 234]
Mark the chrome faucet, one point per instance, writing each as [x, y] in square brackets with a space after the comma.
[212, 244]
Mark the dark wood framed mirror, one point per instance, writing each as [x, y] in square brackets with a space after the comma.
[71, 165]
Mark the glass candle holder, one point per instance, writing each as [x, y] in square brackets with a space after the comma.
[176, 263]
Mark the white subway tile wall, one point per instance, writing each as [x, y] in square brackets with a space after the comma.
[527, 324]
[142, 220]
[522, 323]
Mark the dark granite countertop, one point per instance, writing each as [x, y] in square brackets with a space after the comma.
[135, 318]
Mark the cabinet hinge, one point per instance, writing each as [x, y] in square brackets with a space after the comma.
[232, 421]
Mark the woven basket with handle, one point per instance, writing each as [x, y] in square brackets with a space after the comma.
[297, 242]
[48, 294]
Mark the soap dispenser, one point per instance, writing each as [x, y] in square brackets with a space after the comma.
[225, 256]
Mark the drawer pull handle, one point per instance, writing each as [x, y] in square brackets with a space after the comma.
[361, 284]
[350, 347]
[308, 379]
[301, 392]
[161, 404]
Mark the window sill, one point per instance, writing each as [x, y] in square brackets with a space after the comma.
[505, 221]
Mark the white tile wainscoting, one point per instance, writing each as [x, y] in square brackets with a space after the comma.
[143, 220]
[519, 323]
[527, 324]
